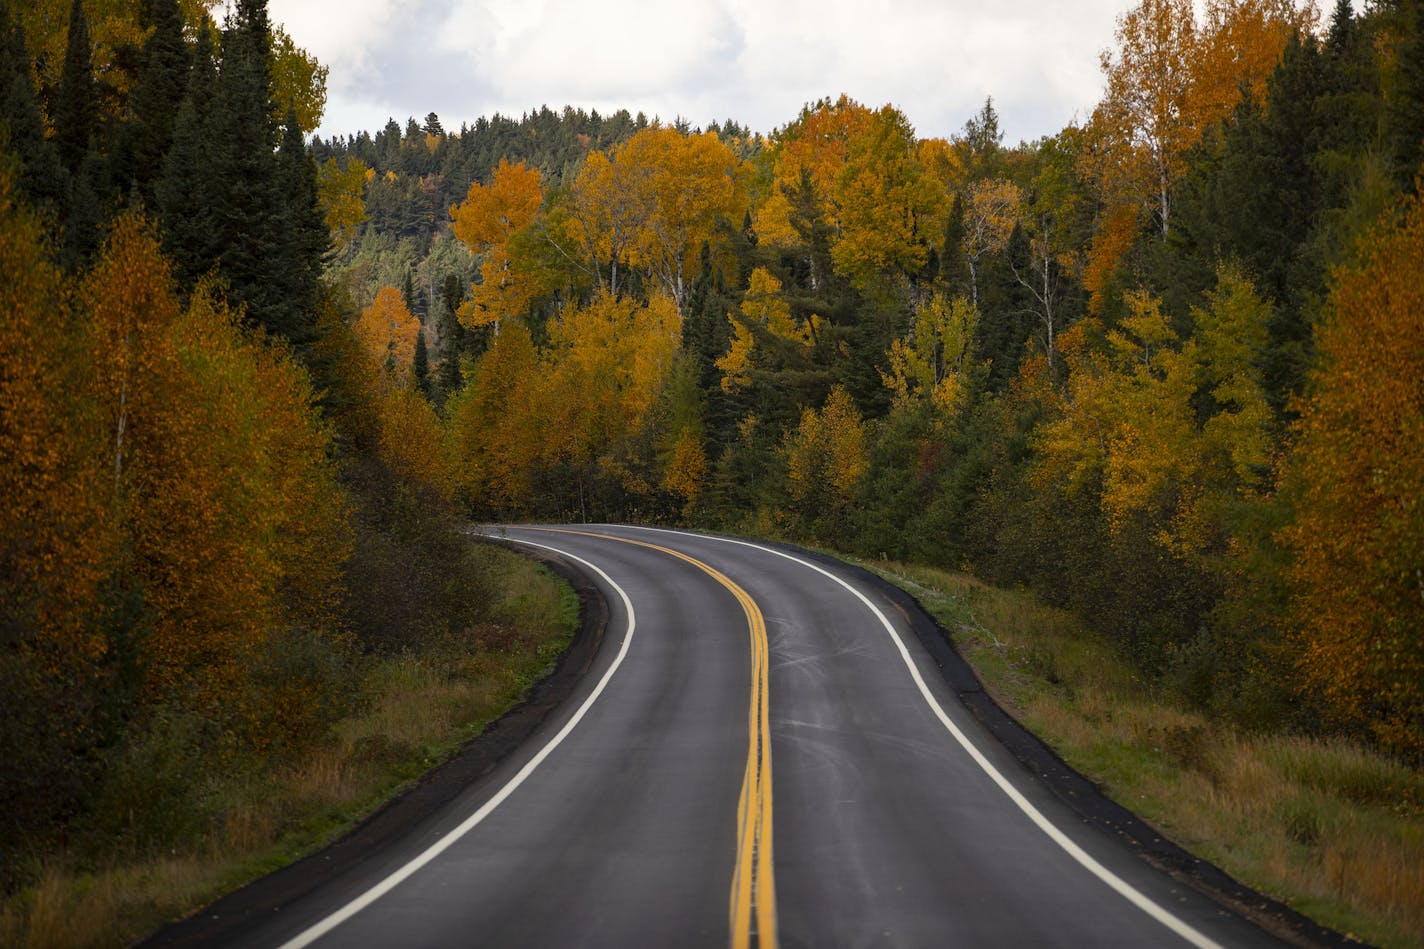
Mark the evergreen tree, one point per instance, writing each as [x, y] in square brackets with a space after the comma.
[185, 192]
[985, 141]
[156, 102]
[452, 336]
[420, 365]
[304, 239]
[1404, 116]
[247, 202]
[408, 291]
[41, 176]
[1006, 319]
[85, 212]
[76, 115]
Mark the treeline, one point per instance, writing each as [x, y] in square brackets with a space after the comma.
[206, 519]
[391, 192]
[1162, 367]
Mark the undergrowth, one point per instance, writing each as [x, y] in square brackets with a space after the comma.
[198, 838]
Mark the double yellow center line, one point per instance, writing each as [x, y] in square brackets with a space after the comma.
[752, 908]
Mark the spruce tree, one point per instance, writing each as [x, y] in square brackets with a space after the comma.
[76, 114]
[420, 367]
[163, 83]
[305, 239]
[452, 336]
[186, 191]
[1404, 115]
[41, 176]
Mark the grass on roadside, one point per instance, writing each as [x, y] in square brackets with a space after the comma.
[1331, 829]
[422, 706]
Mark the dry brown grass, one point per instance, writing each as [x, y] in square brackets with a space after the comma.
[1330, 828]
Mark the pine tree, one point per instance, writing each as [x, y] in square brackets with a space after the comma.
[76, 115]
[408, 290]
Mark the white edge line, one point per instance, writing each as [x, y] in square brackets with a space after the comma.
[1088, 862]
[326, 925]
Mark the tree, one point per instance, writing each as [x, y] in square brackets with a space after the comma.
[388, 332]
[982, 144]
[186, 191]
[605, 212]
[1356, 478]
[486, 221]
[41, 175]
[1169, 81]
[935, 360]
[163, 83]
[303, 240]
[340, 189]
[76, 113]
[888, 207]
[692, 183]
[420, 365]
[764, 316]
[298, 83]
[991, 211]
[58, 543]
[825, 461]
[1404, 115]
[1148, 118]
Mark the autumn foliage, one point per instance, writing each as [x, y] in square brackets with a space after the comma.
[1162, 367]
[1358, 477]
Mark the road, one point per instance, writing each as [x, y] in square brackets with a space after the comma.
[762, 754]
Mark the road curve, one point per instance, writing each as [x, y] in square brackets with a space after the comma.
[762, 754]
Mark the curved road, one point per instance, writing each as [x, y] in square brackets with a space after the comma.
[762, 755]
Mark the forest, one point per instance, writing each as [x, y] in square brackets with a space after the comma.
[1164, 368]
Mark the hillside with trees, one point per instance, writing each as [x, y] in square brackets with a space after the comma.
[1164, 368]
[1123, 365]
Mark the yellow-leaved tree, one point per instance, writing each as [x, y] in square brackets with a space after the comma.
[933, 362]
[764, 315]
[826, 457]
[487, 221]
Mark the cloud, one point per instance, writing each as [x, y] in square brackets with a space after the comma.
[755, 61]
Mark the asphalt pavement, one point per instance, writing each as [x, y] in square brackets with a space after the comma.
[762, 752]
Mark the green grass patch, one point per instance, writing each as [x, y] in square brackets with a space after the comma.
[1330, 828]
[420, 705]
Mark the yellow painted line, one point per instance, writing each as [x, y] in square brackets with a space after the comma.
[753, 896]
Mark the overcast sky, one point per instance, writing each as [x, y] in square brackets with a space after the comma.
[756, 61]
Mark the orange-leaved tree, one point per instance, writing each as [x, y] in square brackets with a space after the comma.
[387, 331]
[223, 479]
[1357, 481]
[58, 543]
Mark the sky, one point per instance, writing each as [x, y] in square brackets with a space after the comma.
[755, 61]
